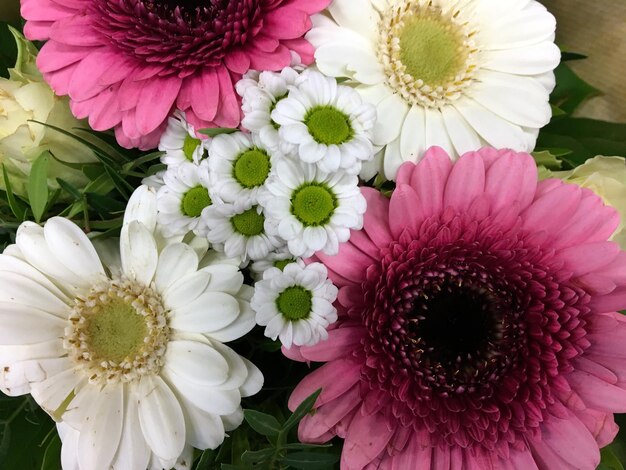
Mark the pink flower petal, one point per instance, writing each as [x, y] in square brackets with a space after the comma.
[156, 102]
[403, 211]
[597, 393]
[511, 178]
[465, 183]
[429, 180]
[341, 342]
[376, 217]
[362, 445]
[313, 427]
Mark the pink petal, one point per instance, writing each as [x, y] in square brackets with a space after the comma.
[54, 56]
[303, 48]
[77, 31]
[565, 444]
[349, 263]
[341, 342]
[229, 113]
[429, 180]
[286, 22]
[105, 112]
[156, 102]
[359, 239]
[597, 393]
[376, 217]
[313, 6]
[403, 211]
[465, 183]
[440, 458]
[97, 71]
[204, 92]
[543, 211]
[612, 302]
[511, 178]
[59, 79]
[45, 10]
[414, 455]
[367, 437]
[237, 61]
[582, 259]
[275, 60]
[312, 427]
[589, 366]
[38, 30]
[601, 425]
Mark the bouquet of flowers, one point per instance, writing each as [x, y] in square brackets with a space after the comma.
[308, 234]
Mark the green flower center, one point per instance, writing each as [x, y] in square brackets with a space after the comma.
[295, 303]
[252, 168]
[249, 223]
[189, 146]
[431, 49]
[282, 263]
[116, 332]
[313, 204]
[195, 200]
[328, 125]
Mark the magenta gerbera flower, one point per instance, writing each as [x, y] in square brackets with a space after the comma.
[127, 63]
[477, 325]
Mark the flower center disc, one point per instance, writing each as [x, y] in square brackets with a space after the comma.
[313, 204]
[295, 303]
[252, 168]
[328, 125]
[116, 331]
[431, 50]
[195, 200]
[249, 223]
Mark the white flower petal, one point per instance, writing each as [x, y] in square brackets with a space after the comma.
[133, 451]
[211, 311]
[197, 362]
[18, 289]
[391, 114]
[142, 207]
[413, 136]
[138, 252]
[254, 381]
[175, 261]
[23, 324]
[186, 290]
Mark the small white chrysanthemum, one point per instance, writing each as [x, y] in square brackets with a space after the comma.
[278, 258]
[182, 199]
[460, 75]
[127, 352]
[238, 167]
[181, 143]
[329, 124]
[260, 92]
[295, 304]
[239, 230]
[312, 210]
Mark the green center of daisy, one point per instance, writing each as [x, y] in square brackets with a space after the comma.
[116, 332]
[189, 146]
[195, 200]
[313, 204]
[327, 125]
[282, 263]
[431, 49]
[252, 168]
[249, 223]
[295, 303]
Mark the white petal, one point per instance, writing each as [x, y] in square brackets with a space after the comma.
[391, 114]
[186, 290]
[52, 392]
[254, 382]
[23, 324]
[463, 136]
[161, 418]
[530, 60]
[133, 451]
[244, 323]
[100, 433]
[204, 430]
[18, 289]
[142, 207]
[211, 311]
[73, 249]
[139, 252]
[69, 450]
[392, 159]
[436, 133]
[350, 60]
[175, 261]
[197, 362]
[224, 278]
[412, 138]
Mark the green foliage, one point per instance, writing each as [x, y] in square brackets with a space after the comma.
[217, 131]
[8, 50]
[609, 460]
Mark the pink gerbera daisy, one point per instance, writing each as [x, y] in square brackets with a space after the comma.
[477, 325]
[127, 63]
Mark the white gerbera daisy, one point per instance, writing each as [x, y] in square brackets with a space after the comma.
[456, 74]
[295, 304]
[238, 167]
[310, 209]
[328, 123]
[133, 362]
[239, 230]
[260, 92]
[278, 258]
[181, 143]
[182, 199]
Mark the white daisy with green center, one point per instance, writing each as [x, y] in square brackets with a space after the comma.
[183, 198]
[311, 209]
[133, 362]
[458, 74]
[181, 143]
[329, 124]
[239, 231]
[279, 258]
[238, 168]
[260, 93]
[296, 304]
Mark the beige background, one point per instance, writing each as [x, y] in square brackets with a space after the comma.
[596, 28]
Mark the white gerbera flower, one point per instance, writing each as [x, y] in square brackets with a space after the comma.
[182, 199]
[456, 74]
[239, 230]
[295, 304]
[181, 143]
[310, 209]
[133, 362]
[260, 92]
[328, 123]
[278, 258]
[238, 167]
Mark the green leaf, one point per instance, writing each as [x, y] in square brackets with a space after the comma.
[120, 183]
[546, 159]
[103, 185]
[571, 91]
[301, 411]
[228, 466]
[300, 446]
[52, 455]
[609, 460]
[252, 457]
[217, 131]
[262, 423]
[70, 189]
[37, 186]
[103, 204]
[206, 459]
[310, 460]
[17, 207]
[142, 160]
[571, 56]
[239, 444]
